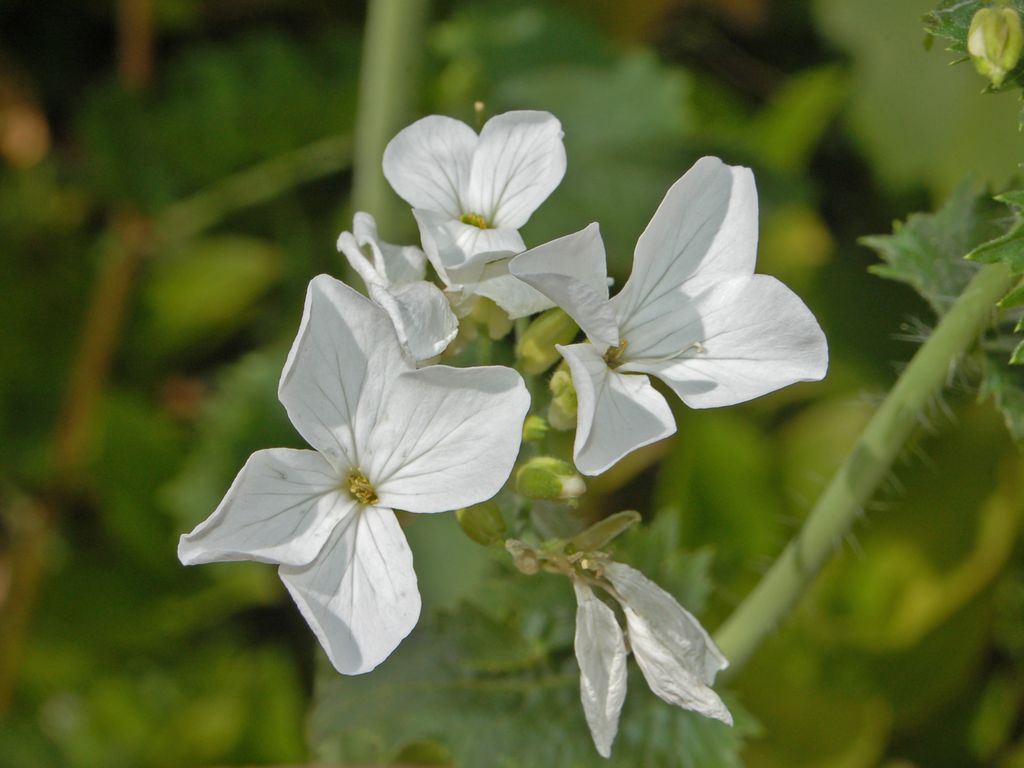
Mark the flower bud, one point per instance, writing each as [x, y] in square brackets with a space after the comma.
[994, 41]
[492, 317]
[546, 477]
[535, 429]
[483, 523]
[562, 411]
[535, 349]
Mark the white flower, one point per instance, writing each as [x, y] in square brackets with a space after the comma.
[387, 436]
[692, 313]
[470, 195]
[678, 659]
[394, 279]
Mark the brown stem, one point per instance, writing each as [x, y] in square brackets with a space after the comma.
[135, 42]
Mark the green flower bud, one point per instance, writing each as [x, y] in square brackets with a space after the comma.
[562, 411]
[492, 317]
[483, 523]
[535, 429]
[546, 477]
[536, 347]
[994, 41]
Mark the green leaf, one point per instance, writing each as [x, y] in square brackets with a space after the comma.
[532, 718]
[1014, 198]
[926, 252]
[1018, 353]
[1008, 248]
[209, 290]
[1014, 298]
[1004, 384]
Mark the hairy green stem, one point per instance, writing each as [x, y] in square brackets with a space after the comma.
[392, 46]
[864, 468]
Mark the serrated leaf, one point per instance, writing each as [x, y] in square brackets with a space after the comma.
[1014, 298]
[1014, 198]
[1005, 386]
[1008, 248]
[926, 252]
[1018, 353]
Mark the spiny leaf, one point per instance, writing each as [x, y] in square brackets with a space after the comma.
[927, 251]
[1008, 248]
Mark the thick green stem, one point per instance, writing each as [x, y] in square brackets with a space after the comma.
[864, 468]
[392, 47]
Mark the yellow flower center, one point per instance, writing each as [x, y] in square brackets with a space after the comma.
[474, 220]
[361, 488]
[613, 355]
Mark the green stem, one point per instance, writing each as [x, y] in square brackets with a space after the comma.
[188, 218]
[864, 468]
[391, 51]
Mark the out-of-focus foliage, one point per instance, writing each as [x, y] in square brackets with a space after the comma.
[910, 652]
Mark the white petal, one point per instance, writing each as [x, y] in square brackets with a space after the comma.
[601, 653]
[706, 224]
[422, 316]
[617, 413]
[513, 295]
[360, 263]
[572, 272]
[755, 336]
[447, 437]
[676, 655]
[342, 358]
[428, 163]
[519, 161]
[281, 508]
[359, 596]
[397, 264]
[492, 279]
[450, 244]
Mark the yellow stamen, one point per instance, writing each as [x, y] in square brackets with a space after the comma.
[474, 220]
[361, 488]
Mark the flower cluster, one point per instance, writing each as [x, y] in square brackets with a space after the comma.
[393, 430]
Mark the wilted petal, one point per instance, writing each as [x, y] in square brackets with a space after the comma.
[281, 508]
[422, 316]
[754, 335]
[572, 272]
[601, 653]
[677, 657]
[397, 264]
[447, 437]
[706, 224]
[345, 353]
[360, 595]
[617, 413]
[519, 161]
[428, 163]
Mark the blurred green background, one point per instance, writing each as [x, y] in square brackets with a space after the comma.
[173, 172]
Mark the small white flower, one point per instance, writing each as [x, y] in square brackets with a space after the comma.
[394, 279]
[678, 659]
[692, 313]
[470, 195]
[387, 436]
